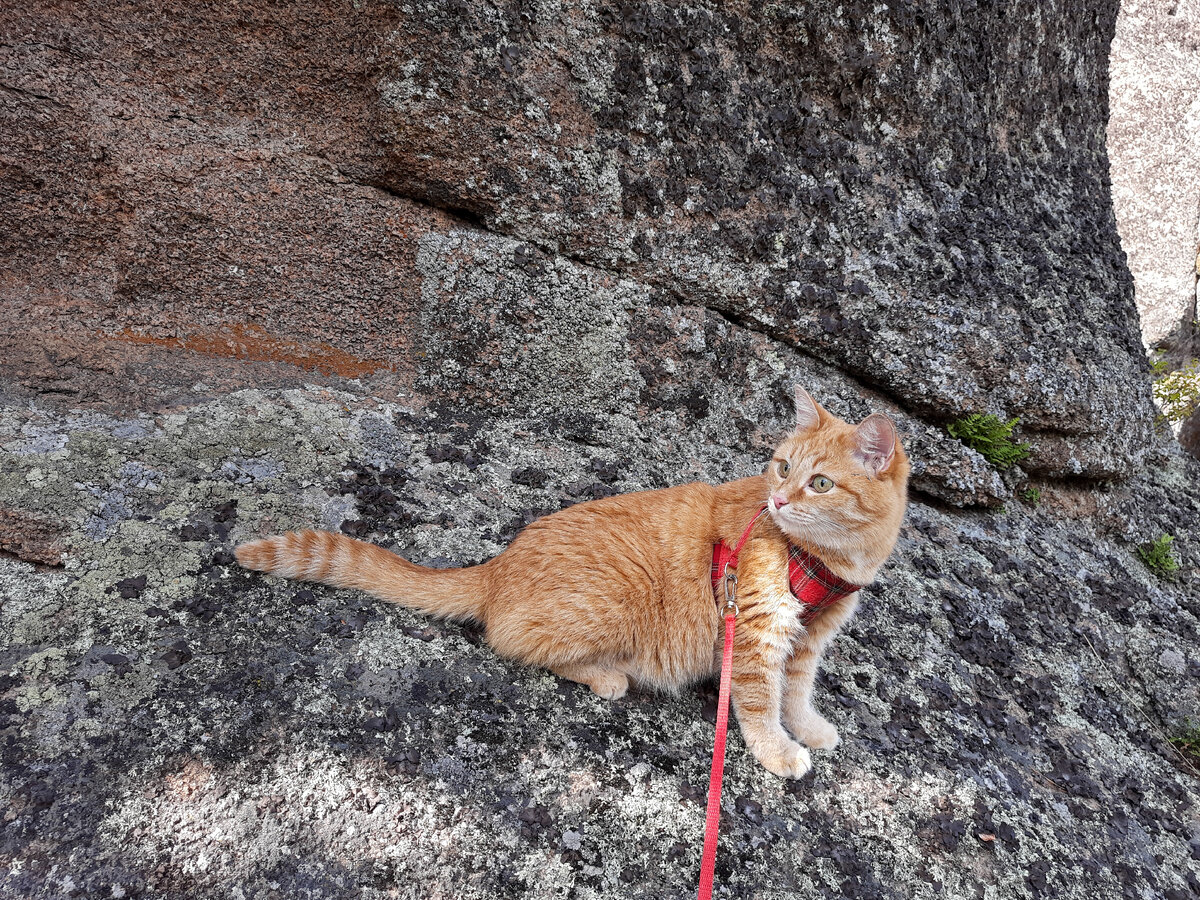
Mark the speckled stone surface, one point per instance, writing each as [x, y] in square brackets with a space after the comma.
[174, 726]
[918, 196]
[422, 273]
[1154, 144]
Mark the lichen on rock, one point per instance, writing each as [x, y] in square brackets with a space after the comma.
[424, 272]
[191, 727]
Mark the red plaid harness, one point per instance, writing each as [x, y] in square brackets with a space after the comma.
[810, 580]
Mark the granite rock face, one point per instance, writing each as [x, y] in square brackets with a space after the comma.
[1155, 153]
[916, 197]
[177, 727]
[781, 165]
[424, 272]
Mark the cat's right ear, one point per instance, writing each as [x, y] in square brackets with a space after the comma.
[808, 414]
[875, 443]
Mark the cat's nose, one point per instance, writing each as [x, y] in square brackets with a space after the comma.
[779, 501]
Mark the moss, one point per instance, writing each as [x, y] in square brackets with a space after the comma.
[991, 437]
[1158, 556]
[1187, 741]
[1031, 495]
[1177, 393]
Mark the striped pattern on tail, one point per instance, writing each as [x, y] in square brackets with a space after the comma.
[347, 563]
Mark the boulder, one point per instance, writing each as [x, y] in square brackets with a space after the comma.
[919, 200]
[424, 272]
[1152, 142]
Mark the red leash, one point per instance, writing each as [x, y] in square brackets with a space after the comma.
[712, 817]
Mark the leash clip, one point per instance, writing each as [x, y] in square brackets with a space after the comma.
[731, 593]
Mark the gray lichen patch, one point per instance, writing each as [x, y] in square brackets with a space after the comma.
[424, 272]
[192, 728]
[563, 338]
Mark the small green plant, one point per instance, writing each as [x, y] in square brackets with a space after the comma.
[1187, 742]
[1177, 392]
[991, 437]
[1158, 556]
[1031, 495]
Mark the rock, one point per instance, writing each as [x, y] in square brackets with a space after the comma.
[1152, 143]
[1152, 140]
[558, 177]
[1173, 661]
[1189, 435]
[431, 271]
[30, 537]
[1020, 649]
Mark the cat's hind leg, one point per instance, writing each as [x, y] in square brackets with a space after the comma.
[610, 683]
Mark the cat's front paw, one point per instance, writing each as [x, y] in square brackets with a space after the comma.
[814, 730]
[782, 756]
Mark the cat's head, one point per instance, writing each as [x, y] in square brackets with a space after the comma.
[839, 486]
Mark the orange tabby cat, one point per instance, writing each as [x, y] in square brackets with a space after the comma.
[620, 588]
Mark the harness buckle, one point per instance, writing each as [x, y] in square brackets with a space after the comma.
[731, 592]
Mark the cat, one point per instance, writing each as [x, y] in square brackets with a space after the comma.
[622, 588]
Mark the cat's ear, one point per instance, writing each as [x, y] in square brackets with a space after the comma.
[808, 414]
[875, 443]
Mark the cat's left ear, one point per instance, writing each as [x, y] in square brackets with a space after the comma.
[808, 414]
[875, 443]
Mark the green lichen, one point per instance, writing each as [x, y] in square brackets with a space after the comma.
[1187, 741]
[1177, 393]
[1158, 556]
[991, 437]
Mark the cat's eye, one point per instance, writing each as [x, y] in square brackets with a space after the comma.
[784, 467]
[821, 484]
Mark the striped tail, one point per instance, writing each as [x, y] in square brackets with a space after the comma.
[344, 562]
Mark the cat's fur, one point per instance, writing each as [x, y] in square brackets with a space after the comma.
[619, 589]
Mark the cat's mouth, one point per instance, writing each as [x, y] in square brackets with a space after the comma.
[799, 524]
[782, 516]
